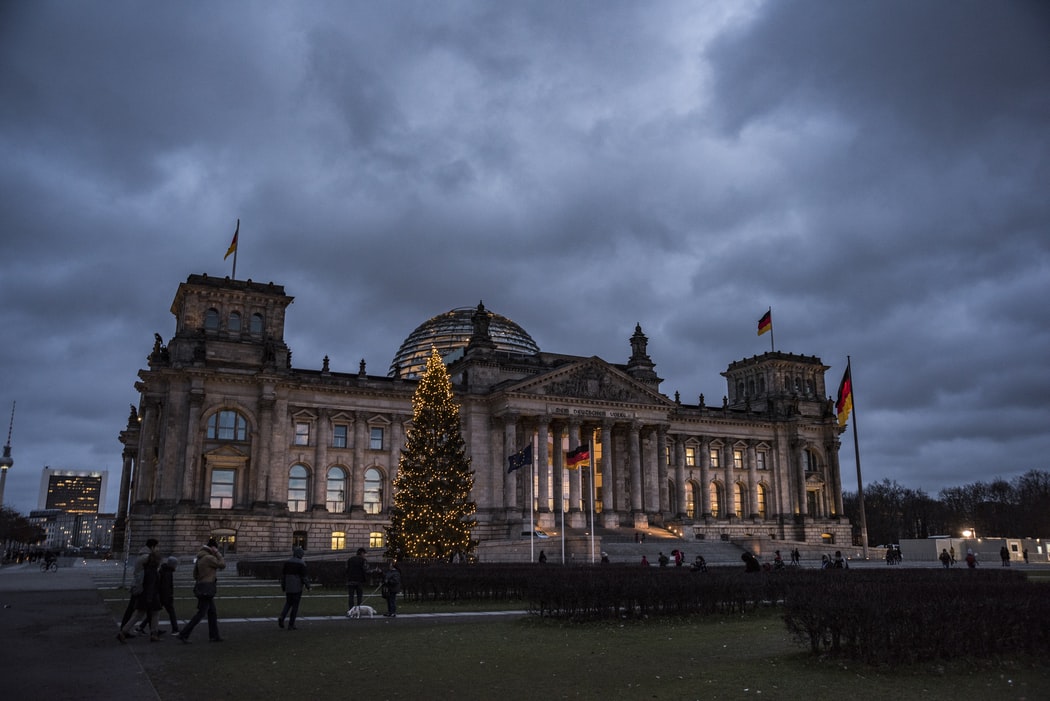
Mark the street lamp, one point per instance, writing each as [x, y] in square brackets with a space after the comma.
[969, 533]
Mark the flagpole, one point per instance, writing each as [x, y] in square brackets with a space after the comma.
[772, 343]
[856, 452]
[532, 507]
[590, 453]
[236, 236]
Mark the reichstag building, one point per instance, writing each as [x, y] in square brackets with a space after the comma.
[230, 440]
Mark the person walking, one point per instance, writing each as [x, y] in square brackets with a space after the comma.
[1004, 555]
[147, 598]
[166, 586]
[391, 588]
[357, 571]
[946, 559]
[293, 582]
[206, 574]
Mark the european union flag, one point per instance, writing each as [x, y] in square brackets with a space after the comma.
[520, 459]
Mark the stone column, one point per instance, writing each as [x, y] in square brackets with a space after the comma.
[357, 477]
[543, 465]
[557, 478]
[679, 477]
[752, 479]
[576, 505]
[320, 481]
[610, 519]
[800, 477]
[634, 458]
[835, 470]
[664, 507]
[705, 476]
[510, 479]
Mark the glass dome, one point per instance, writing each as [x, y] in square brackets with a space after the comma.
[450, 332]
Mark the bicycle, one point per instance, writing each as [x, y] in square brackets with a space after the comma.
[49, 566]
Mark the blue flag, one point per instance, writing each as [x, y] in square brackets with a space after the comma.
[520, 459]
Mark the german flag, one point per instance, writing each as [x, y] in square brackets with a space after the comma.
[765, 323]
[844, 404]
[576, 457]
[233, 244]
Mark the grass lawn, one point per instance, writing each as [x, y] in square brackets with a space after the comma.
[514, 657]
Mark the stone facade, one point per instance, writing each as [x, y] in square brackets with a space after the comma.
[229, 440]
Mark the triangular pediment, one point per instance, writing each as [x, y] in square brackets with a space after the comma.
[591, 379]
[225, 454]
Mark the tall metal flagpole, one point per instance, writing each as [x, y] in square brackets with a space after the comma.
[590, 454]
[772, 342]
[856, 452]
[532, 506]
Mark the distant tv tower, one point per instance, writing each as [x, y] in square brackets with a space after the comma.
[7, 461]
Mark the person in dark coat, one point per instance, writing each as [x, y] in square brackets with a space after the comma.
[357, 571]
[751, 563]
[391, 588]
[293, 582]
[147, 603]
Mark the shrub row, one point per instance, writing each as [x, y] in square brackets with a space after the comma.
[878, 616]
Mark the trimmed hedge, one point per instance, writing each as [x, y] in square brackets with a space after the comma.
[878, 616]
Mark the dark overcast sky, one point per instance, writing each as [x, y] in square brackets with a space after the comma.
[876, 172]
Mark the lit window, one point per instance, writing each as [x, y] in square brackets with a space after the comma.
[339, 434]
[338, 540]
[335, 494]
[297, 483]
[716, 502]
[761, 500]
[375, 441]
[690, 500]
[375, 540]
[714, 457]
[222, 489]
[211, 319]
[235, 321]
[738, 499]
[373, 491]
[760, 459]
[226, 426]
[302, 433]
[738, 459]
[257, 323]
[690, 457]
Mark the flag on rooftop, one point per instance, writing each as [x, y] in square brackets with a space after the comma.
[844, 403]
[233, 244]
[765, 323]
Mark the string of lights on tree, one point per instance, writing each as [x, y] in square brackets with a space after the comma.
[432, 514]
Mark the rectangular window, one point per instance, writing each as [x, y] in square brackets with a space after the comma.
[375, 540]
[339, 433]
[375, 441]
[738, 459]
[714, 457]
[302, 433]
[338, 540]
[222, 489]
[760, 458]
[690, 457]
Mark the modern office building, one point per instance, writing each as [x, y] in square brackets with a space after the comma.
[73, 491]
[230, 440]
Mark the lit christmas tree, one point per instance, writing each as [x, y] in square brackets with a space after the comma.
[432, 516]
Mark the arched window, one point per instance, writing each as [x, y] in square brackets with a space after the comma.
[761, 385]
[257, 323]
[373, 491]
[227, 425]
[335, 493]
[761, 500]
[234, 323]
[298, 479]
[211, 320]
[690, 500]
[716, 499]
[739, 498]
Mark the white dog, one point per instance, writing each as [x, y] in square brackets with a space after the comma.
[359, 611]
